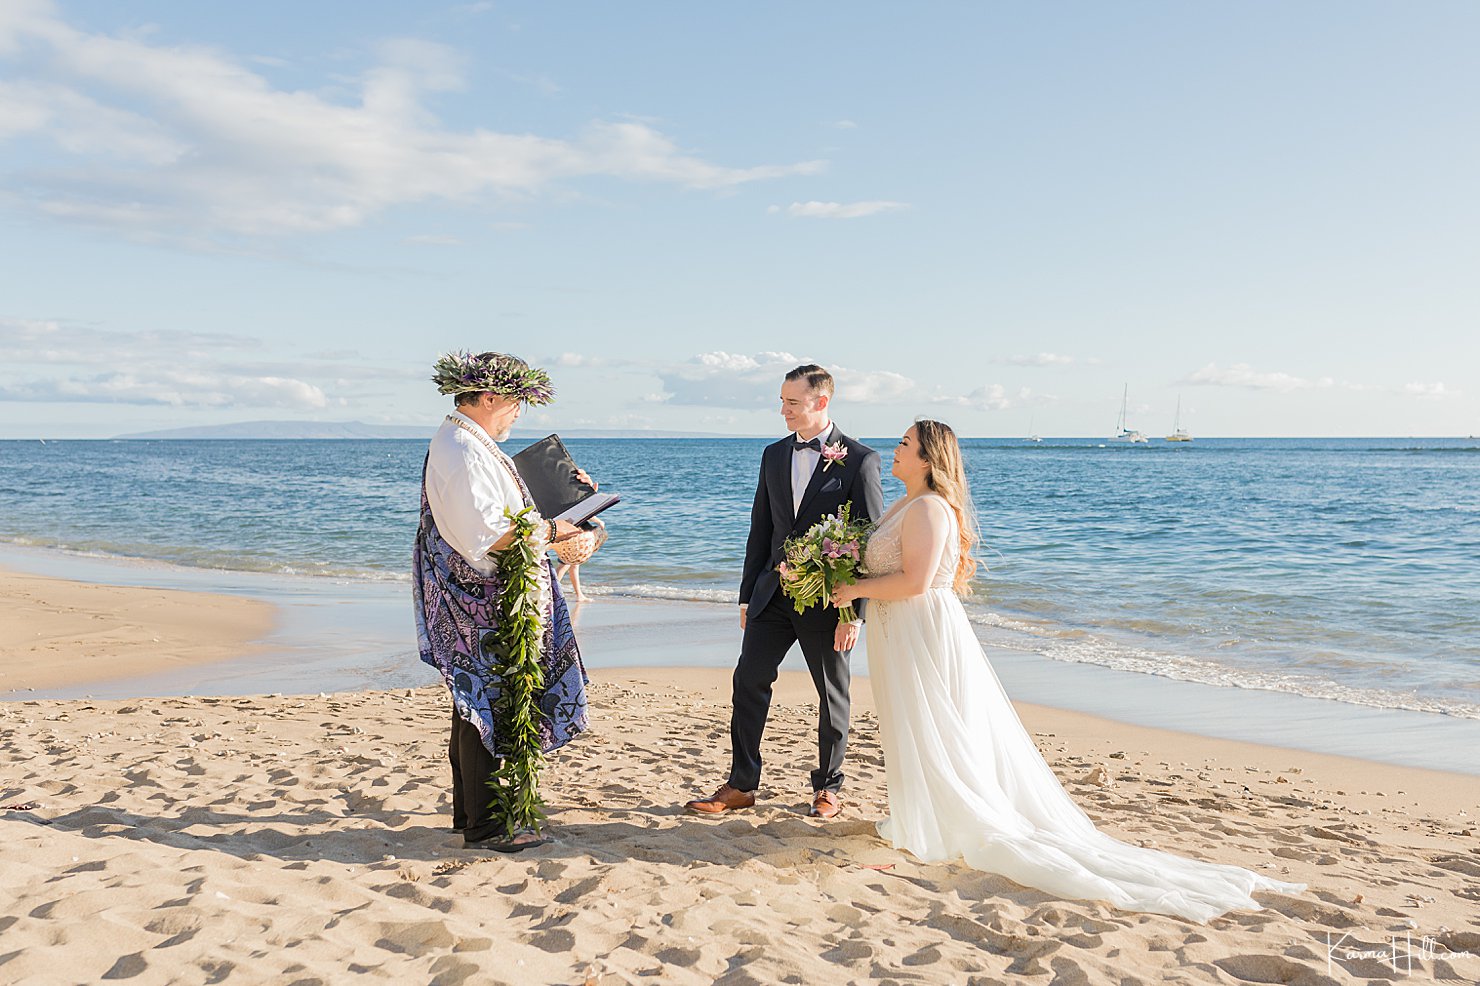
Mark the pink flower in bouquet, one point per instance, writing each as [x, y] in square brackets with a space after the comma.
[828, 554]
[836, 453]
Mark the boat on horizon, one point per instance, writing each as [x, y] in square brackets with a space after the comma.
[1179, 434]
[1122, 433]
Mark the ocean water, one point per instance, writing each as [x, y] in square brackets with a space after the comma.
[1345, 569]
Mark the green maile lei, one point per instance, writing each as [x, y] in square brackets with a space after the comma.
[520, 633]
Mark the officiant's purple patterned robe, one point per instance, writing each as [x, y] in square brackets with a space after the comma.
[456, 614]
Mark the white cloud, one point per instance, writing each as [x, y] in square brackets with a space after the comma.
[636, 150]
[1036, 359]
[83, 126]
[843, 125]
[433, 239]
[1244, 375]
[739, 380]
[721, 360]
[84, 364]
[873, 386]
[744, 381]
[183, 138]
[838, 210]
[989, 397]
[586, 360]
[48, 341]
[541, 83]
[19, 16]
[726, 379]
[173, 388]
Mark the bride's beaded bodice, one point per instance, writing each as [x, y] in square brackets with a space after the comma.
[884, 553]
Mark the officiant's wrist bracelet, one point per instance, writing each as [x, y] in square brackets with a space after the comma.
[553, 529]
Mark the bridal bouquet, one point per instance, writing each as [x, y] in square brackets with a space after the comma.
[829, 554]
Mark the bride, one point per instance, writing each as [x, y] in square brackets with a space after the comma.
[965, 779]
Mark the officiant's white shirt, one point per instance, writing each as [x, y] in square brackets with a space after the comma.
[468, 488]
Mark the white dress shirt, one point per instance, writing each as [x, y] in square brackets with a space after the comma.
[468, 488]
[803, 465]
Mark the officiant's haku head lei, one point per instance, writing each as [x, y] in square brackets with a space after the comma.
[499, 374]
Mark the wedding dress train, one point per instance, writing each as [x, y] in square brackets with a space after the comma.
[966, 780]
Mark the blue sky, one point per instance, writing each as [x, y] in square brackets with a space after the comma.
[995, 214]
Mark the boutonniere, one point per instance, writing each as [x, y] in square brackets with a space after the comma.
[834, 454]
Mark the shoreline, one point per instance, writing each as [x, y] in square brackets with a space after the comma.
[336, 636]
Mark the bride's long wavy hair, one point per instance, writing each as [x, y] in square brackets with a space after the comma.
[947, 477]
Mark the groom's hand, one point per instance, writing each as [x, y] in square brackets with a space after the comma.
[743, 610]
[845, 636]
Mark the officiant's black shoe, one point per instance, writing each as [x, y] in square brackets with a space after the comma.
[726, 799]
[518, 842]
[825, 804]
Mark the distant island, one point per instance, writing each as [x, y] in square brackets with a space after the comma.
[360, 430]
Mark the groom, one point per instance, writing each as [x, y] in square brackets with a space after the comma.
[807, 475]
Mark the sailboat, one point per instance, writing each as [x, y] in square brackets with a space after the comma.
[1032, 435]
[1122, 433]
[1179, 434]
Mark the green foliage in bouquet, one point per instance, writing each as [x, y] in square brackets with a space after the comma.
[828, 554]
[520, 632]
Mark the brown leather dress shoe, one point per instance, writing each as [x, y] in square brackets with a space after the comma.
[725, 799]
[825, 804]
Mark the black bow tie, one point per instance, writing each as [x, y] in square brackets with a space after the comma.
[815, 445]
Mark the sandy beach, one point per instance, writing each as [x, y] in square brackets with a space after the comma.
[56, 632]
[306, 839]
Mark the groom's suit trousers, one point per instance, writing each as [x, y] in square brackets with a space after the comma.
[769, 634]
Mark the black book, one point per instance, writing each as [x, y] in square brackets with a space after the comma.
[550, 473]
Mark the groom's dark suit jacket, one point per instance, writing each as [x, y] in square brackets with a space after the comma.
[855, 481]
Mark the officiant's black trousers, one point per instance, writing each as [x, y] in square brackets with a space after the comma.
[769, 634]
[472, 766]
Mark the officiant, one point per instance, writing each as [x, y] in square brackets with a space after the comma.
[480, 549]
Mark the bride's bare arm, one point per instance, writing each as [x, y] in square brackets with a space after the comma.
[922, 536]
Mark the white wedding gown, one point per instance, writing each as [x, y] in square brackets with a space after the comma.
[965, 779]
